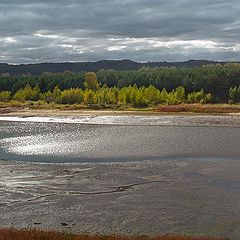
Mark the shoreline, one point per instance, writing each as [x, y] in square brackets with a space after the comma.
[78, 110]
[121, 118]
[29, 112]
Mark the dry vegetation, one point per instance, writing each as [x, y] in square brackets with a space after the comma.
[12, 234]
[14, 107]
[199, 108]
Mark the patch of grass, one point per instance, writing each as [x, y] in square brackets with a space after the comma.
[12, 103]
[199, 108]
[13, 234]
[14, 106]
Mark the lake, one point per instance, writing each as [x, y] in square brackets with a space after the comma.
[125, 140]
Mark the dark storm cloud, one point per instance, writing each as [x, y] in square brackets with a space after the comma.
[142, 30]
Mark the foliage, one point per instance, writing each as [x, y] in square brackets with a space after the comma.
[57, 94]
[5, 96]
[71, 96]
[27, 93]
[89, 96]
[143, 87]
[199, 97]
[234, 94]
[105, 96]
[91, 81]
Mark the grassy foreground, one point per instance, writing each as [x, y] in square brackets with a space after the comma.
[12, 234]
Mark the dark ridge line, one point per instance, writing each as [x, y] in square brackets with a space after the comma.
[117, 65]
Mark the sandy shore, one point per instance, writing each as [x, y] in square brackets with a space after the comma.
[189, 197]
[122, 117]
[25, 112]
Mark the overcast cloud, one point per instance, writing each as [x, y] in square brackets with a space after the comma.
[140, 30]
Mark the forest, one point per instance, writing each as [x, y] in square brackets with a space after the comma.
[139, 88]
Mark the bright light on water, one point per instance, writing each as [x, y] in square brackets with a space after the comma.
[56, 142]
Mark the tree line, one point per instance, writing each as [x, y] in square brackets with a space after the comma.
[104, 96]
[218, 80]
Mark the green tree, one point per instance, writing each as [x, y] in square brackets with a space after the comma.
[180, 94]
[234, 94]
[5, 96]
[56, 94]
[48, 96]
[91, 81]
[89, 97]
[72, 96]
[27, 93]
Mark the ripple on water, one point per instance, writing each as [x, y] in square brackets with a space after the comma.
[57, 142]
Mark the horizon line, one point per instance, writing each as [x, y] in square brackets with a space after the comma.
[120, 60]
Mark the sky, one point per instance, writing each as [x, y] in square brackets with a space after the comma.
[139, 30]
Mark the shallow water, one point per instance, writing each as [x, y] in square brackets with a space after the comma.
[54, 141]
[133, 120]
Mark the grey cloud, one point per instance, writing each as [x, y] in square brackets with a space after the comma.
[142, 30]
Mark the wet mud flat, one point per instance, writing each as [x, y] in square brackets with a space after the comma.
[122, 118]
[187, 196]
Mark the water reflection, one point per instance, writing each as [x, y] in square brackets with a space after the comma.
[57, 142]
[133, 120]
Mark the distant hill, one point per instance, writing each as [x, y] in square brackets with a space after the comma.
[118, 65]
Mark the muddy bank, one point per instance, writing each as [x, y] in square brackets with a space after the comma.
[166, 110]
[190, 196]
